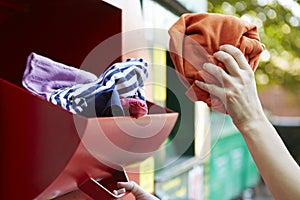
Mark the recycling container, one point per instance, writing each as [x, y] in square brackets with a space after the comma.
[46, 151]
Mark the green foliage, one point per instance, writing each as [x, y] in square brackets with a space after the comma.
[280, 32]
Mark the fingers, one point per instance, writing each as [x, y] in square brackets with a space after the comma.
[236, 56]
[210, 88]
[130, 186]
[233, 59]
[215, 71]
[127, 185]
[119, 191]
[228, 61]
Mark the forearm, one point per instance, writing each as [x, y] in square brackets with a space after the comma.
[277, 167]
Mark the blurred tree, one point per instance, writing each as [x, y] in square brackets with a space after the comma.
[278, 24]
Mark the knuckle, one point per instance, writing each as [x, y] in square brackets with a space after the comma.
[236, 53]
[132, 185]
[212, 90]
[230, 94]
[218, 72]
[226, 58]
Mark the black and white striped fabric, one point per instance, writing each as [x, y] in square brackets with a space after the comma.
[121, 80]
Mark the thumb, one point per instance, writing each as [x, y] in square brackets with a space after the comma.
[131, 186]
[136, 190]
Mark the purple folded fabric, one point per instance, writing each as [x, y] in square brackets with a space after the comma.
[42, 76]
[134, 107]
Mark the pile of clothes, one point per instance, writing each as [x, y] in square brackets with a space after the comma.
[118, 91]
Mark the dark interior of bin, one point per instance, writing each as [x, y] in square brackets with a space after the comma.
[63, 30]
[110, 182]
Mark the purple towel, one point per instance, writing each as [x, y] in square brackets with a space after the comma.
[43, 76]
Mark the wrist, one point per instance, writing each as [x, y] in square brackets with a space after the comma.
[252, 126]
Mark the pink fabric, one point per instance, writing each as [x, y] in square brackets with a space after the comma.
[134, 107]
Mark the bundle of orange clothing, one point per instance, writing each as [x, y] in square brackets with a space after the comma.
[194, 38]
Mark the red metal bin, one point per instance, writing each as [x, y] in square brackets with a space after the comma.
[47, 151]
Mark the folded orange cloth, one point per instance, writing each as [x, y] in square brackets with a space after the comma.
[194, 38]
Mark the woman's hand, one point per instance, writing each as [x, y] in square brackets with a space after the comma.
[135, 189]
[236, 89]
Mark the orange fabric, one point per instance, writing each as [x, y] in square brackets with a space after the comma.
[195, 37]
